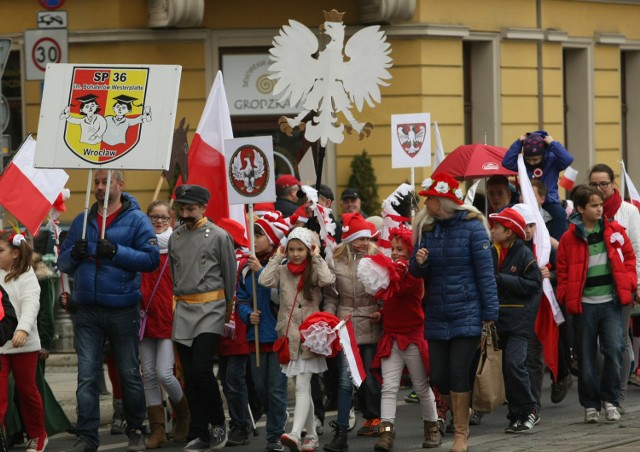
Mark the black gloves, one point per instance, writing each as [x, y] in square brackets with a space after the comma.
[80, 249]
[106, 249]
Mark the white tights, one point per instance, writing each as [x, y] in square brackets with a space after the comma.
[303, 412]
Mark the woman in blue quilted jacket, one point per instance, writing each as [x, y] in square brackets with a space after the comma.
[452, 253]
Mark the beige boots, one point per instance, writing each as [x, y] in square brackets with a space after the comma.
[183, 419]
[158, 437]
[460, 408]
[385, 442]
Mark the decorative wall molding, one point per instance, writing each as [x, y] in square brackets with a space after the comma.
[387, 11]
[175, 13]
[421, 30]
[527, 34]
[610, 38]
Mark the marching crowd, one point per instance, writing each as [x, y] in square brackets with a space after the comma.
[417, 288]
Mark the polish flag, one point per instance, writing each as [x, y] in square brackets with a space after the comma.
[568, 179]
[438, 153]
[28, 192]
[634, 196]
[351, 350]
[207, 166]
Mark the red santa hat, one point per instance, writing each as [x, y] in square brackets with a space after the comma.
[510, 219]
[235, 230]
[274, 227]
[444, 186]
[354, 226]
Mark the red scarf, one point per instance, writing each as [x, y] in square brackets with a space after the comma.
[612, 205]
[298, 269]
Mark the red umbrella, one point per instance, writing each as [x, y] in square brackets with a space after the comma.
[473, 161]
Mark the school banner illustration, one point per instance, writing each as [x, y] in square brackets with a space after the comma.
[110, 117]
[250, 170]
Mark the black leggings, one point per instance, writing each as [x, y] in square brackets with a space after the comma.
[451, 363]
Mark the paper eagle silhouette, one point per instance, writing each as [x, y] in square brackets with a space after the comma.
[331, 82]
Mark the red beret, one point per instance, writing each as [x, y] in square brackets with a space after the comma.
[287, 180]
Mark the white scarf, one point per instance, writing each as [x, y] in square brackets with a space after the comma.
[163, 240]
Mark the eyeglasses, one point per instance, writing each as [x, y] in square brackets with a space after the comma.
[159, 218]
[600, 184]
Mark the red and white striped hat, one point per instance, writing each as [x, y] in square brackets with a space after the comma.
[274, 227]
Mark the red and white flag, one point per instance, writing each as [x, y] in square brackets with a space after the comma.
[28, 192]
[568, 179]
[351, 350]
[438, 154]
[634, 196]
[207, 166]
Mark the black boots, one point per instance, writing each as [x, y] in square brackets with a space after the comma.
[339, 441]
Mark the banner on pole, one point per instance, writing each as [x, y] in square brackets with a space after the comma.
[109, 117]
[411, 140]
[250, 170]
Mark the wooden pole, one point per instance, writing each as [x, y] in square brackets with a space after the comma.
[158, 188]
[254, 284]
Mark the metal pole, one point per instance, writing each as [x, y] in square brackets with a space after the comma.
[321, 153]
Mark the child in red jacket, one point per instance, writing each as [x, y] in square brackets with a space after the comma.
[596, 276]
[402, 342]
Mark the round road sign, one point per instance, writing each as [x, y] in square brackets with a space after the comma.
[46, 50]
[51, 4]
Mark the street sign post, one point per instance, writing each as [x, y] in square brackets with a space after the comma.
[52, 19]
[42, 47]
[5, 49]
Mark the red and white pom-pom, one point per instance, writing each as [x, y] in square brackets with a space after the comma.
[374, 273]
[319, 334]
[319, 337]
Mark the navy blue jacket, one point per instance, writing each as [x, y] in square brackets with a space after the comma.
[519, 290]
[115, 282]
[556, 159]
[458, 277]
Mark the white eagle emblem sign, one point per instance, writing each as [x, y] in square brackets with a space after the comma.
[329, 81]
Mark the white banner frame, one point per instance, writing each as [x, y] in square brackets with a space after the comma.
[411, 140]
[240, 152]
[72, 136]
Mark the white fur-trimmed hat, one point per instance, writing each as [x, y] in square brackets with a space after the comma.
[302, 234]
[354, 226]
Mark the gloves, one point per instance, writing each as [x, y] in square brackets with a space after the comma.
[106, 249]
[80, 249]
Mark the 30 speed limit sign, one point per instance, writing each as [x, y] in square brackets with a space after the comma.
[42, 47]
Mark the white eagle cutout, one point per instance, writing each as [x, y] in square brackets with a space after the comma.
[329, 83]
[412, 140]
[248, 172]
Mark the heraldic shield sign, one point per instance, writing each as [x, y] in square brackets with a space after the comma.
[250, 170]
[106, 112]
[107, 116]
[411, 137]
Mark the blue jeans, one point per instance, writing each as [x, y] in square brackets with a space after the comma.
[233, 375]
[369, 393]
[120, 326]
[558, 223]
[271, 385]
[600, 323]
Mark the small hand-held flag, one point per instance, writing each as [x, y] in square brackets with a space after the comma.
[568, 179]
[28, 192]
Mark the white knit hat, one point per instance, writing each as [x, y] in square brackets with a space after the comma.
[526, 212]
[302, 234]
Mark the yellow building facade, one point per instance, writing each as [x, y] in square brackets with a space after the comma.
[487, 71]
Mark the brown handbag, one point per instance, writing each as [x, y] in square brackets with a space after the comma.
[488, 386]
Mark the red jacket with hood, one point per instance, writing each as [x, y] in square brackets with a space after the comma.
[573, 261]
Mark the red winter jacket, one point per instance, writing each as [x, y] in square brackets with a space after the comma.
[160, 308]
[573, 260]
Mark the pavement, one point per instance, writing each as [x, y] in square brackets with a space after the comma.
[561, 429]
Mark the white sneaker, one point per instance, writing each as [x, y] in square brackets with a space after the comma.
[591, 416]
[352, 419]
[612, 412]
[310, 444]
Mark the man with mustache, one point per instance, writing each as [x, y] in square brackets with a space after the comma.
[203, 266]
[107, 295]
